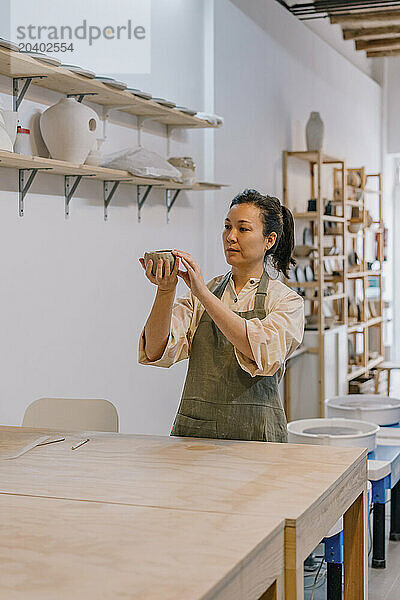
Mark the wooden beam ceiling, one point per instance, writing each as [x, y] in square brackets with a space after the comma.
[366, 16]
[380, 44]
[365, 33]
[375, 31]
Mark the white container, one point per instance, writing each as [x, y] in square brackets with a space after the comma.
[381, 410]
[314, 132]
[333, 432]
[5, 141]
[10, 121]
[23, 142]
[69, 130]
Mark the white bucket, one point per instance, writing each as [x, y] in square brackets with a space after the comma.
[333, 432]
[381, 410]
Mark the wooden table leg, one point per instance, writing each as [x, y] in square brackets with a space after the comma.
[355, 549]
[294, 570]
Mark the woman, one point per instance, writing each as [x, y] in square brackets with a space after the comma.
[237, 330]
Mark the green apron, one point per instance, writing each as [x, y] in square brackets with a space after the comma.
[220, 399]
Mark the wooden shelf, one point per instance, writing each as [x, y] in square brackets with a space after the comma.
[363, 324]
[357, 327]
[335, 256]
[356, 373]
[59, 167]
[334, 297]
[375, 321]
[60, 79]
[314, 216]
[374, 362]
[312, 157]
[361, 274]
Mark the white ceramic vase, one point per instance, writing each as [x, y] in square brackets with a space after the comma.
[69, 130]
[314, 132]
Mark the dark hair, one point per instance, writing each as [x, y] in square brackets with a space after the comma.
[274, 217]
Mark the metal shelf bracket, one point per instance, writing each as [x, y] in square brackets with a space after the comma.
[17, 95]
[23, 187]
[108, 194]
[80, 97]
[142, 197]
[170, 202]
[71, 182]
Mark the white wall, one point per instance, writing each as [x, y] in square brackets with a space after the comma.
[270, 72]
[74, 298]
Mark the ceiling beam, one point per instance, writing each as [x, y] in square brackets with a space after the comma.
[370, 32]
[380, 44]
[373, 15]
[381, 53]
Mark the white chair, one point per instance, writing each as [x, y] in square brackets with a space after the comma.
[72, 413]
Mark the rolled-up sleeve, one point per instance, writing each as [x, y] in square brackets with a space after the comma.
[274, 338]
[178, 343]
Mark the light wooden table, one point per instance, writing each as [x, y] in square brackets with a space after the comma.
[54, 548]
[309, 487]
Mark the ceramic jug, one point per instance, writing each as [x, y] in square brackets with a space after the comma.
[314, 132]
[69, 130]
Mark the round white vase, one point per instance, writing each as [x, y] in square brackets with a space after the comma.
[69, 130]
[314, 132]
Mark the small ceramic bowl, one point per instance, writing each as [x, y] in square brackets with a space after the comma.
[155, 256]
[355, 227]
[303, 250]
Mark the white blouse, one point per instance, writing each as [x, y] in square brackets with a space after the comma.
[271, 339]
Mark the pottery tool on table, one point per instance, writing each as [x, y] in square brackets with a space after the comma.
[79, 444]
[27, 447]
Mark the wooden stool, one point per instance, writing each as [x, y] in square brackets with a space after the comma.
[385, 366]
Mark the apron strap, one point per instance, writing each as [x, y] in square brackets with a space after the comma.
[219, 290]
[259, 300]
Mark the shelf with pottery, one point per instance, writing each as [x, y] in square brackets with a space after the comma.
[18, 65]
[35, 164]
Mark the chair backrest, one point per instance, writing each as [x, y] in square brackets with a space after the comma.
[72, 413]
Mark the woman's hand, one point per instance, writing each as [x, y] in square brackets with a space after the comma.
[166, 282]
[192, 276]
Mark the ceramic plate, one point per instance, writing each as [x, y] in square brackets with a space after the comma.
[299, 272]
[307, 237]
[164, 102]
[10, 45]
[120, 85]
[145, 95]
[80, 71]
[187, 111]
[44, 58]
[309, 273]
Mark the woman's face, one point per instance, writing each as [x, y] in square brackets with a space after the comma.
[243, 237]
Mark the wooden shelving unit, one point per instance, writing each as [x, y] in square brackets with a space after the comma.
[317, 220]
[359, 278]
